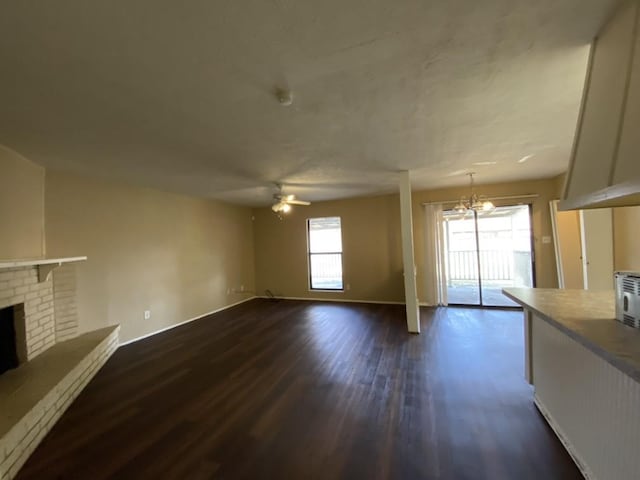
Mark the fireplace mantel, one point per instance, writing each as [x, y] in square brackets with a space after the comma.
[45, 265]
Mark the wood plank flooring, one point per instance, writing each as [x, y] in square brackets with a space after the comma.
[309, 390]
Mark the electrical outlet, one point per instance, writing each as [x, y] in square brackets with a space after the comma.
[242, 288]
[347, 286]
[147, 314]
[228, 291]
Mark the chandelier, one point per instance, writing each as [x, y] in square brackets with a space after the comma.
[474, 202]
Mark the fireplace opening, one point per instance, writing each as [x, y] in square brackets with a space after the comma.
[12, 337]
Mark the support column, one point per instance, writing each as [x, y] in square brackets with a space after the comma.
[406, 222]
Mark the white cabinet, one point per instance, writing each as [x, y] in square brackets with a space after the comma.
[627, 162]
[605, 164]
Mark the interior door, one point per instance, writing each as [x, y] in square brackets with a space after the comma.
[596, 228]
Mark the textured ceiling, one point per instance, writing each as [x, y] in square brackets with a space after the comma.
[180, 95]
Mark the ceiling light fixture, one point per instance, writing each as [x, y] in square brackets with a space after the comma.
[525, 158]
[281, 207]
[474, 202]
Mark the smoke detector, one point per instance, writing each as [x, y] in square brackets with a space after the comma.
[285, 97]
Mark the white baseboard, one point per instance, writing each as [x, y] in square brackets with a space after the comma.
[336, 300]
[584, 469]
[185, 322]
[314, 299]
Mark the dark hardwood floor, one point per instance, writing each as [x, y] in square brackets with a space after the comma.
[304, 390]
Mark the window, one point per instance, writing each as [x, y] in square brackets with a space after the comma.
[325, 253]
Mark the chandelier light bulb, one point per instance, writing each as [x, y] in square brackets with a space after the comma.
[474, 202]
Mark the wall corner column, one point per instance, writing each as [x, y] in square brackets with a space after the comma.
[408, 260]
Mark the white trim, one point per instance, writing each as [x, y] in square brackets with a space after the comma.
[553, 206]
[39, 261]
[584, 469]
[309, 253]
[337, 300]
[186, 321]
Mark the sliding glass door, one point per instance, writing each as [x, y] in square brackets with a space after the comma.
[461, 247]
[486, 252]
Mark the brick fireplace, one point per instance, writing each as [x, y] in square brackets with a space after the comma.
[49, 310]
[52, 362]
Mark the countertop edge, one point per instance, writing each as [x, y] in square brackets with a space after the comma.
[603, 353]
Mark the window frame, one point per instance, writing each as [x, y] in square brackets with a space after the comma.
[310, 254]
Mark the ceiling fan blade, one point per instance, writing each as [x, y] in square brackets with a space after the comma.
[298, 202]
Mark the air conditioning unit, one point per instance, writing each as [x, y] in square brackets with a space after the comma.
[628, 298]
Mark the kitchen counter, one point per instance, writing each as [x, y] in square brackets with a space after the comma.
[585, 370]
[588, 318]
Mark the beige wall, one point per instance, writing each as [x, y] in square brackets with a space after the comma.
[371, 245]
[626, 235]
[568, 224]
[147, 249]
[178, 256]
[372, 248]
[21, 207]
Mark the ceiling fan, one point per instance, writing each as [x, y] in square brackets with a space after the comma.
[283, 202]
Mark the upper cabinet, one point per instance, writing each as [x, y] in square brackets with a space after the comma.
[605, 164]
[627, 162]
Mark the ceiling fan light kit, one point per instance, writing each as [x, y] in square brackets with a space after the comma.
[283, 202]
[281, 207]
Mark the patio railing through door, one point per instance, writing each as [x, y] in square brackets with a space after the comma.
[495, 265]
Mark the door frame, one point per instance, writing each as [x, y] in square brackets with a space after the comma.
[481, 303]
